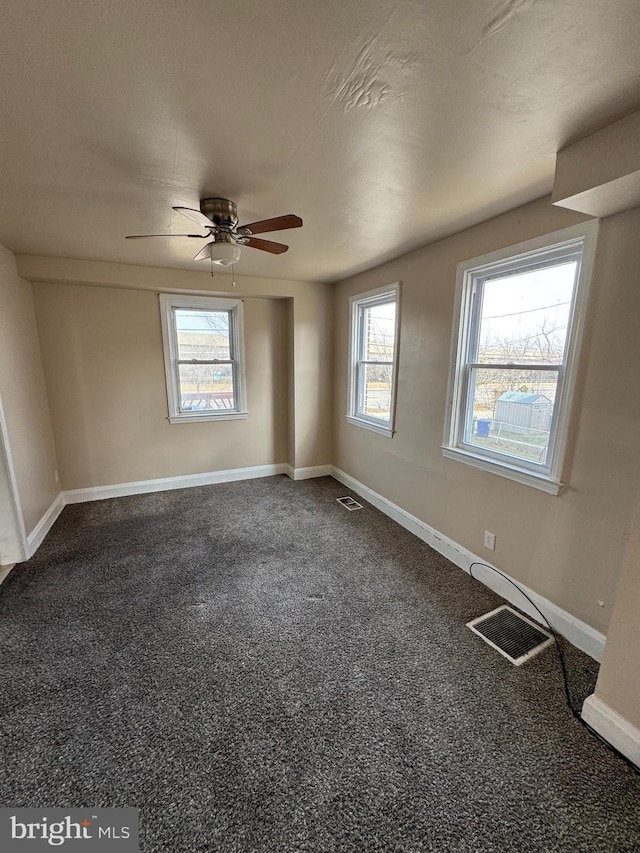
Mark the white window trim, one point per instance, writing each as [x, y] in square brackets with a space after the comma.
[550, 481]
[372, 297]
[170, 301]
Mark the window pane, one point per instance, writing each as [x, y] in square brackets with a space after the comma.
[378, 332]
[202, 334]
[206, 387]
[524, 317]
[512, 412]
[374, 391]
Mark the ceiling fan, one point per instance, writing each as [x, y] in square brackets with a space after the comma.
[219, 217]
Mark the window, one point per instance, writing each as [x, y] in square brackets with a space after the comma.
[202, 338]
[374, 348]
[516, 344]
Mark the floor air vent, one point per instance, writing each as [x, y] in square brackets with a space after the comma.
[514, 636]
[349, 503]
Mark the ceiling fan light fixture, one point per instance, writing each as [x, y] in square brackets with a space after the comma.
[224, 254]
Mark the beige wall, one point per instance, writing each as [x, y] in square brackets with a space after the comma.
[10, 534]
[101, 338]
[24, 397]
[568, 548]
[619, 678]
[102, 350]
[313, 370]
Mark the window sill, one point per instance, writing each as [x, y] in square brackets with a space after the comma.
[511, 472]
[199, 418]
[373, 427]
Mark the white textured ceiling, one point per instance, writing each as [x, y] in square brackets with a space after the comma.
[385, 125]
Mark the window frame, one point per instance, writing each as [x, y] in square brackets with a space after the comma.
[357, 304]
[466, 323]
[169, 302]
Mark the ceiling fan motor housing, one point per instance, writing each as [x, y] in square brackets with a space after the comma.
[220, 211]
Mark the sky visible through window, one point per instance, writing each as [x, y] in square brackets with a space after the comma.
[525, 317]
[380, 331]
[195, 320]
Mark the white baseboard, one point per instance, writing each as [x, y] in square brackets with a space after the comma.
[36, 537]
[164, 484]
[613, 727]
[309, 473]
[577, 632]
[141, 487]
[4, 571]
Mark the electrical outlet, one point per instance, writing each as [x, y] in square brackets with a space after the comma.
[489, 540]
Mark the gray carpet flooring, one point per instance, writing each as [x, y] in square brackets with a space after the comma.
[257, 669]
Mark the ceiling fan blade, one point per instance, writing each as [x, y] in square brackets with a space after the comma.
[204, 252]
[144, 236]
[267, 246]
[278, 223]
[196, 216]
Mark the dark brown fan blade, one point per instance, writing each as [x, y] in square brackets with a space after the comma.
[278, 223]
[144, 236]
[196, 215]
[267, 246]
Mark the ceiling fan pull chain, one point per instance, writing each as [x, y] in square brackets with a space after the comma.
[233, 275]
